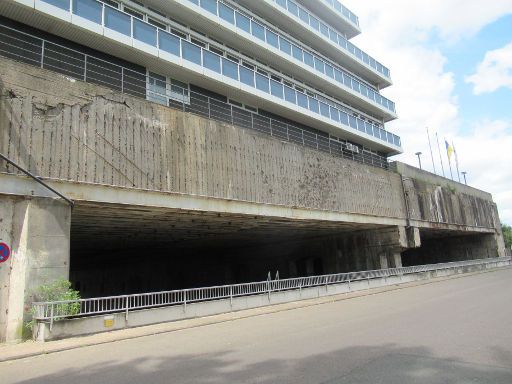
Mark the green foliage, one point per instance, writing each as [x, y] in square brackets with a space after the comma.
[59, 290]
[451, 188]
[507, 234]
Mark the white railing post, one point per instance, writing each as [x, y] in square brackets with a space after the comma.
[51, 317]
[127, 308]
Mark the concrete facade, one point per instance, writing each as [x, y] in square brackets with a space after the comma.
[141, 173]
[37, 230]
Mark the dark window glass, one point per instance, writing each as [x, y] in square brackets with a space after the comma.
[62, 4]
[211, 61]
[246, 76]
[169, 43]
[229, 69]
[258, 31]
[276, 89]
[191, 52]
[352, 122]
[243, 22]
[343, 118]
[338, 76]
[302, 100]
[262, 83]
[226, 13]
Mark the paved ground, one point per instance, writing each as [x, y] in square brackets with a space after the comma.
[452, 331]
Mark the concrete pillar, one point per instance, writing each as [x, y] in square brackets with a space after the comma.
[38, 232]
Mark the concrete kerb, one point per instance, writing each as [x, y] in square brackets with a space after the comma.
[28, 349]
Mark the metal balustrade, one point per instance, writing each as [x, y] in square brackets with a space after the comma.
[46, 54]
[55, 310]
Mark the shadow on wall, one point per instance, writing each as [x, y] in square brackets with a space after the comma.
[361, 364]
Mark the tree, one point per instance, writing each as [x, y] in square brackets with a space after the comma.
[507, 234]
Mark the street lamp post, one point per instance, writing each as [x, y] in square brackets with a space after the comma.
[419, 158]
[464, 174]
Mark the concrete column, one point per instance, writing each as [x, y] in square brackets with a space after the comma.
[38, 232]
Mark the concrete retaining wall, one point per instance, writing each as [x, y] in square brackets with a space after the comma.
[95, 324]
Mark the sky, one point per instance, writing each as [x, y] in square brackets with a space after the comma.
[451, 66]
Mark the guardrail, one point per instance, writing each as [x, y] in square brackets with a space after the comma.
[55, 310]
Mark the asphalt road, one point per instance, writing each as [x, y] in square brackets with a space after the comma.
[454, 331]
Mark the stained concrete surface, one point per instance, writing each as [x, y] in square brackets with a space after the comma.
[454, 331]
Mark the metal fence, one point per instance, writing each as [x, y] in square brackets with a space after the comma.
[46, 54]
[55, 310]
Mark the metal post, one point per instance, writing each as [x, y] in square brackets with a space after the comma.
[185, 301]
[231, 296]
[51, 317]
[127, 306]
[85, 67]
[122, 79]
[349, 288]
[42, 53]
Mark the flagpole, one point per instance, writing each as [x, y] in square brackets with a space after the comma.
[440, 157]
[431, 153]
[456, 161]
[448, 155]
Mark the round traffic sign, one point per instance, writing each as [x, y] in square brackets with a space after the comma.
[5, 252]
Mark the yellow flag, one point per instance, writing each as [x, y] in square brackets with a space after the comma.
[449, 150]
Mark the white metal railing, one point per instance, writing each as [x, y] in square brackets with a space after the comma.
[55, 310]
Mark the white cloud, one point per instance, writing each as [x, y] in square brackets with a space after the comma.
[494, 72]
[398, 33]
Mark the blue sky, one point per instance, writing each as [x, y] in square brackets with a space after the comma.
[451, 65]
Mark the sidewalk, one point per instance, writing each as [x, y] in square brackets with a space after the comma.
[30, 348]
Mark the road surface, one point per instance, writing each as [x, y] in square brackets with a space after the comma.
[453, 331]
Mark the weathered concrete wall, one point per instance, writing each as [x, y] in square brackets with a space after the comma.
[37, 229]
[64, 129]
[435, 199]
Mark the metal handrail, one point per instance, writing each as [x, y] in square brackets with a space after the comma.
[54, 310]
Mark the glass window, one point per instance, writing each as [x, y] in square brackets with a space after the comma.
[297, 52]
[292, 7]
[347, 81]
[88, 9]
[209, 5]
[302, 100]
[352, 122]
[319, 65]
[243, 22]
[333, 36]
[285, 46]
[324, 30]
[343, 118]
[338, 76]
[169, 43]
[276, 89]
[258, 30]
[313, 21]
[144, 32]
[308, 59]
[313, 105]
[118, 21]
[329, 71]
[335, 114]
[226, 13]
[62, 4]
[246, 76]
[324, 110]
[157, 88]
[342, 42]
[360, 125]
[211, 61]
[304, 16]
[262, 83]
[229, 68]
[369, 129]
[191, 52]
[282, 3]
[289, 95]
[272, 39]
